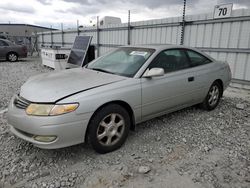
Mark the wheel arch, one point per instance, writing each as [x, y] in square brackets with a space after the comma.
[123, 104]
[220, 82]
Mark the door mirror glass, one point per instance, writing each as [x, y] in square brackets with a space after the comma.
[154, 72]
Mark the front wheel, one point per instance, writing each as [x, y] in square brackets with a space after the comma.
[109, 128]
[213, 97]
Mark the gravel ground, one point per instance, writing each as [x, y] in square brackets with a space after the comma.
[188, 148]
[13, 75]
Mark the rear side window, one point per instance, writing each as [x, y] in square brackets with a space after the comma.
[197, 59]
[2, 43]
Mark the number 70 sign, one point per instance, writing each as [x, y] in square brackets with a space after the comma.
[223, 11]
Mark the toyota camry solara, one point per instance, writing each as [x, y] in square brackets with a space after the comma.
[102, 101]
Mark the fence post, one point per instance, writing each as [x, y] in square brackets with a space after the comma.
[128, 27]
[25, 42]
[42, 40]
[97, 36]
[51, 36]
[77, 25]
[34, 44]
[183, 23]
[62, 34]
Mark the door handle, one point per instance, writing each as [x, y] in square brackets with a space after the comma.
[190, 79]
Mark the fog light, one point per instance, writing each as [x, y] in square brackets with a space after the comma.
[44, 138]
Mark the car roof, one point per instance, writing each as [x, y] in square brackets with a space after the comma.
[158, 46]
[161, 47]
[5, 40]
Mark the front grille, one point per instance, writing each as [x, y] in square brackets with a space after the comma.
[20, 102]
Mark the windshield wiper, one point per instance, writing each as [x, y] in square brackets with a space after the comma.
[102, 70]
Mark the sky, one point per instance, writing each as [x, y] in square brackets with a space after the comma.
[54, 12]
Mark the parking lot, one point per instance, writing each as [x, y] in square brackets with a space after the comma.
[188, 148]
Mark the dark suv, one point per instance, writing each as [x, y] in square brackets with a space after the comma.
[11, 51]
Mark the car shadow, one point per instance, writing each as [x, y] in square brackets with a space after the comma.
[20, 60]
[85, 148]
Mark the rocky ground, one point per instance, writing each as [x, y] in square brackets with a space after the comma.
[188, 148]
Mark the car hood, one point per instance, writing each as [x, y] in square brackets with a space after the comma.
[51, 87]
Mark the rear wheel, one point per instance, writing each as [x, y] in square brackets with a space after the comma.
[12, 56]
[109, 128]
[213, 97]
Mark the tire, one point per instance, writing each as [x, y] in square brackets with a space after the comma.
[213, 97]
[109, 128]
[12, 57]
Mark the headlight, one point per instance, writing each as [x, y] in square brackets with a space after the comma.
[50, 109]
[63, 108]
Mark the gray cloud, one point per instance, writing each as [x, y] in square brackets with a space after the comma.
[17, 8]
[151, 4]
[140, 7]
[80, 10]
[45, 2]
[82, 7]
[239, 2]
[83, 2]
[88, 9]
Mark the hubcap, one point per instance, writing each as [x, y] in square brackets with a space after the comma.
[213, 95]
[110, 129]
[12, 57]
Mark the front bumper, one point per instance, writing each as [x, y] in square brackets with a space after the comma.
[69, 129]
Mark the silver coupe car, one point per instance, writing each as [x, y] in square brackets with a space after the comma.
[102, 101]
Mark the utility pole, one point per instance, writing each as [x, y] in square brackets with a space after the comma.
[77, 25]
[51, 36]
[128, 27]
[97, 36]
[183, 23]
[62, 34]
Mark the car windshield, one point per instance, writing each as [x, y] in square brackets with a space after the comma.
[125, 61]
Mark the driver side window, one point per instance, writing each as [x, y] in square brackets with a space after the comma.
[170, 60]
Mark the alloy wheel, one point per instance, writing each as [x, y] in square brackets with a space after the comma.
[213, 95]
[110, 129]
[12, 57]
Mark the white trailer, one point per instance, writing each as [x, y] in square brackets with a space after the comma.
[110, 20]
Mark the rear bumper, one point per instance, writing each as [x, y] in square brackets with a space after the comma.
[23, 55]
[226, 84]
[69, 129]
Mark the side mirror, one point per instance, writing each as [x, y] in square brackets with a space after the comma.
[154, 72]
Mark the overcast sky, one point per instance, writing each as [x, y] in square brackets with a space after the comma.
[54, 12]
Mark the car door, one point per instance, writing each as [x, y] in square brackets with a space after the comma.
[174, 90]
[3, 49]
